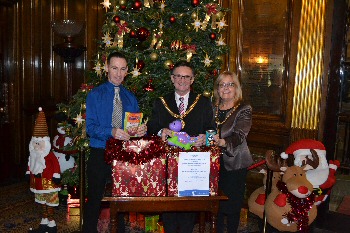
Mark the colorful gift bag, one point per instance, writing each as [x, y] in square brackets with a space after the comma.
[138, 166]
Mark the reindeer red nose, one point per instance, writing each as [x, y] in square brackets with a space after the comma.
[303, 190]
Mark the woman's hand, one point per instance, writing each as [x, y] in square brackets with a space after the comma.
[219, 141]
[120, 134]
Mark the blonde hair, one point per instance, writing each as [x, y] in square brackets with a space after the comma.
[238, 93]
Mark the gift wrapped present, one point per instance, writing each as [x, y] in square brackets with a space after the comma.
[173, 159]
[138, 166]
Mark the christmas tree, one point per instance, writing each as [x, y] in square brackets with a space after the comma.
[154, 35]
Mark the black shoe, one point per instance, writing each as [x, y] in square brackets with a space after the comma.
[51, 229]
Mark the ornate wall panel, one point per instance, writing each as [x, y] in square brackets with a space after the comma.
[309, 70]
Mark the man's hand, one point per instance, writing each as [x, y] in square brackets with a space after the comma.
[120, 134]
[200, 140]
[141, 130]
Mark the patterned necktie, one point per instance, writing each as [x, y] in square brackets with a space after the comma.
[117, 110]
[181, 106]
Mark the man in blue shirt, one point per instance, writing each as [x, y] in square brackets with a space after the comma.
[99, 111]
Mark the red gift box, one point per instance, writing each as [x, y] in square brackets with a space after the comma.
[173, 159]
[138, 166]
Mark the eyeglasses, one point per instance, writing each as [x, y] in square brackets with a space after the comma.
[185, 77]
[223, 85]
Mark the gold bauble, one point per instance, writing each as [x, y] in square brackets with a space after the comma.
[167, 64]
[154, 56]
[83, 106]
[207, 93]
[189, 27]
[194, 15]
[187, 40]
[122, 2]
[220, 58]
[219, 15]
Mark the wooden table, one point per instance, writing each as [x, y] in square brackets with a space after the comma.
[165, 204]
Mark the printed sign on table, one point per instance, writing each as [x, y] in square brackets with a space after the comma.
[193, 174]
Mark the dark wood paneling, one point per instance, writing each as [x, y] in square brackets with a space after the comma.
[38, 75]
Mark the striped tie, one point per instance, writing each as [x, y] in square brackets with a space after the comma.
[181, 106]
[117, 110]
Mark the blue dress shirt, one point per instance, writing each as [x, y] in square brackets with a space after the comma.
[99, 108]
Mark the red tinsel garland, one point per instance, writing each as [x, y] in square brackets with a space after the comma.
[300, 207]
[115, 151]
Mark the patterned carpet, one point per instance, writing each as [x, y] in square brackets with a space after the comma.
[19, 212]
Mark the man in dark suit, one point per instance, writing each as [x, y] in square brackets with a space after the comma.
[196, 113]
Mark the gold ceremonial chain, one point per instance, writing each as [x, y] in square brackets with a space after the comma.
[181, 117]
[218, 123]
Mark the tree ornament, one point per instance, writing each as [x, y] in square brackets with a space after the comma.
[133, 34]
[123, 7]
[106, 4]
[142, 34]
[212, 36]
[168, 64]
[220, 58]
[214, 72]
[194, 15]
[220, 15]
[116, 19]
[207, 62]
[187, 39]
[195, 3]
[149, 86]
[140, 65]
[176, 45]
[137, 5]
[207, 93]
[172, 19]
[122, 2]
[154, 56]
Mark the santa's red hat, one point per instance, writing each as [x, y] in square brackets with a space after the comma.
[302, 147]
[40, 128]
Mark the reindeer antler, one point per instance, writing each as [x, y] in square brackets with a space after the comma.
[314, 162]
[274, 162]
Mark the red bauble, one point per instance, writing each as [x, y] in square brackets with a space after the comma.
[140, 65]
[116, 19]
[142, 34]
[137, 5]
[133, 34]
[123, 7]
[172, 19]
[214, 72]
[195, 2]
[212, 36]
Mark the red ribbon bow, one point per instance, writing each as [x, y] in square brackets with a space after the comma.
[211, 8]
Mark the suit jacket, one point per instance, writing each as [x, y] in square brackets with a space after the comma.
[236, 154]
[197, 121]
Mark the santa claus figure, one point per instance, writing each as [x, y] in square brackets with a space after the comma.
[44, 174]
[321, 176]
[61, 140]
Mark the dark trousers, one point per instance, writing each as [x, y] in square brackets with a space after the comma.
[179, 222]
[232, 183]
[97, 173]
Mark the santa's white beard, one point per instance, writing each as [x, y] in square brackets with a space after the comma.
[36, 161]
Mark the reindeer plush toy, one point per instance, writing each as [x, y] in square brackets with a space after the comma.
[290, 207]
